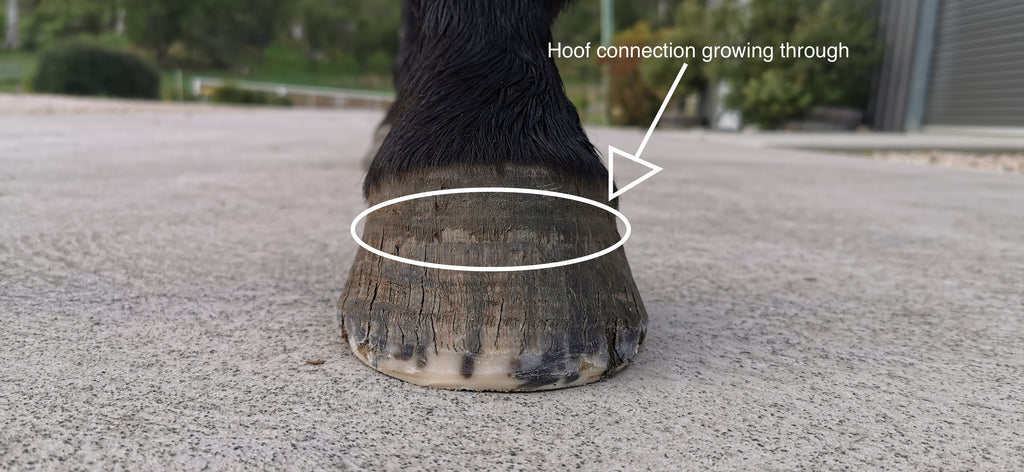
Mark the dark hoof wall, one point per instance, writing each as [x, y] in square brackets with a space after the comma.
[508, 331]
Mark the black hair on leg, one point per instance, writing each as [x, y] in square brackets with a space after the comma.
[478, 87]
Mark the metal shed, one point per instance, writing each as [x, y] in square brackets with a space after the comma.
[950, 63]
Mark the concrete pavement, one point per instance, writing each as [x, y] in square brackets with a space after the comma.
[166, 273]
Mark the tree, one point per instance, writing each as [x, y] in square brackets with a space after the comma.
[632, 100]
[639, 85]
[696, 24]
[49, 21]
[365, 32]
[156, 25]
[326, 25]
[221, 32]
[11, 38]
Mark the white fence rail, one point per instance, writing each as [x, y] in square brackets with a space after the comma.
[300, 95]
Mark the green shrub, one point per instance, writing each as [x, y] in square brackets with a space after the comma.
[632, 100]
[695, 25]
[639, 85]
[90, 69]
[233, 94]
[772, 98]
[770, 94]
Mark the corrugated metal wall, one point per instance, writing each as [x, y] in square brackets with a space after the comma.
[897, 28]
[977, 70]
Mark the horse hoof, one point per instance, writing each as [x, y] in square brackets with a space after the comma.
[497, 331]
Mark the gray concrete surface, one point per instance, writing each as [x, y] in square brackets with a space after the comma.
[167, 272]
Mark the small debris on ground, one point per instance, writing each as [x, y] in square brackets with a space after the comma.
[1008, 162]
[315, 362]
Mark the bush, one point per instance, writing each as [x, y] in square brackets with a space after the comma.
[638, 86]
[90, 69]
[632, 100]
[233, 94]
[771, 94]
[772, 98]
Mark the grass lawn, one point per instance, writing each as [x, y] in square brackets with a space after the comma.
[286, 65]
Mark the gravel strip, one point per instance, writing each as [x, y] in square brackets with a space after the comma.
[1012, 163]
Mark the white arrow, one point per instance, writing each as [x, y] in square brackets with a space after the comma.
[612, 150]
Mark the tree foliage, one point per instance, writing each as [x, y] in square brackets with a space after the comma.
[226, 33]
[632, 100]
[156, 26]
[357, 38]
[50, 21]
[365, 31]
[639, 86]
[769, 94]
[221, 31]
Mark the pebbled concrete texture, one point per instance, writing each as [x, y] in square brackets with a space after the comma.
[167, 272]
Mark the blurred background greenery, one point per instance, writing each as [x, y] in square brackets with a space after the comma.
[351, 44]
